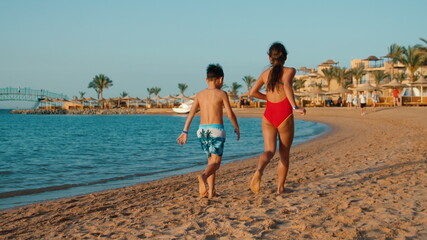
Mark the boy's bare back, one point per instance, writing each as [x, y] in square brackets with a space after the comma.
[211, 103]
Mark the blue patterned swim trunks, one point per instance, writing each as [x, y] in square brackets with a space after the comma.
[212, 138]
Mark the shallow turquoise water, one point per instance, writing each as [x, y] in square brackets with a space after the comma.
[52, 156]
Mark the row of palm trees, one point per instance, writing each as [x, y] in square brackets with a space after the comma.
[101, 82]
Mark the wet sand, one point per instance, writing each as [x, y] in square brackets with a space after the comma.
[365, 179]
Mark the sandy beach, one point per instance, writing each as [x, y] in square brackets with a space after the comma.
[365, 179]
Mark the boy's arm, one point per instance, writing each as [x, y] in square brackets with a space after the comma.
[182, 139]
[231, 115]
[254, 92]
[287, 85]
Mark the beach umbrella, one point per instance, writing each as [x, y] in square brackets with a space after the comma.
[127, 99]
[316, 91]
[339, 90]
[393, 84]
[45, 101]
[103, 102]
[169, 98]
[182, 97]
[421, 82]
[157, 98]
[90, 100]
[118, 99]
[365, 87]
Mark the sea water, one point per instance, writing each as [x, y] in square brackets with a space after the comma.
[46, 157]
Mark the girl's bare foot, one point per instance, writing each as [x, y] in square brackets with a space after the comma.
[202, 185]
[256, 182]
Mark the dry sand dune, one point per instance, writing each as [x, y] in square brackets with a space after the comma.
[366, 179]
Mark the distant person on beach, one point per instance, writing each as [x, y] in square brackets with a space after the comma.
[339, 101]
[362, 103]
[396, 101]
[375, 100]
[278, 120]
[355, 101]
[211, 133]
[349, 100]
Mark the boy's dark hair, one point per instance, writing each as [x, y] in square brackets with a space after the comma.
[214, 71]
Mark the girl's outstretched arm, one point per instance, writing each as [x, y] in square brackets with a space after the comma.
[287, 78]
[182, 139]
[254, 92]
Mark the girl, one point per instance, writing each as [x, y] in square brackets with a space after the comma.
[278, 120]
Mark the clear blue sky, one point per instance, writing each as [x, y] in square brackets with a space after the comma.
[61, 45]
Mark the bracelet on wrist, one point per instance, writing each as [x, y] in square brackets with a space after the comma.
[296, 107]
[186, 132]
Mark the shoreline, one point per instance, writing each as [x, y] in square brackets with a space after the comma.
[356, 181]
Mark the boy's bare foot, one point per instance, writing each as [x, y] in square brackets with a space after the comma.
[212, 194]
[202, 186]
[256, 182]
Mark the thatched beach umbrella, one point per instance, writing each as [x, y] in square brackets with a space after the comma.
[45, 101]
[316, 91]
[102, 100]
[365, 87]
[421, 82]
[339, 90]
[182, 97]
[393, 84]
[127, 100]
[157, 98]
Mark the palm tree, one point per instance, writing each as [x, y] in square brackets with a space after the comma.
[234, 90]
[329, 74]
[423, 50]
[412, 59]
[82, 94]
[298, 83]
[400, 77]
[150, 91]
[379, 76]
[249, 81]
[99, 83]
[182, 87]
[124, 94]
[358, 72]
[156, 90]
[394, 53]
[341, 74]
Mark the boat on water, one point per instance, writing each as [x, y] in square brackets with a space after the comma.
[184, 107]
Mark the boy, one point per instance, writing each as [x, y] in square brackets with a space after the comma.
[211, 133]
